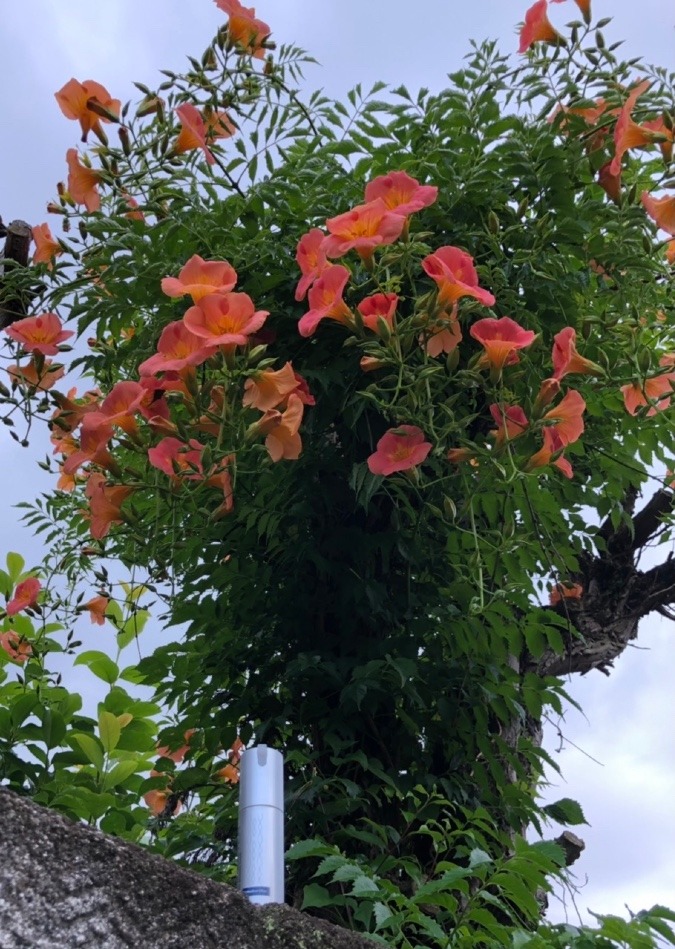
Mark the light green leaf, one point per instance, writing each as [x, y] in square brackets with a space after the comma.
[100, 664]
[15, 565]
[91, 748]
[121, 771]
[109, 729]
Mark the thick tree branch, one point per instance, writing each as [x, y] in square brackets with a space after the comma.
[617, 595]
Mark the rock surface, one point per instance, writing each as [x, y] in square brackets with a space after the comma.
[64, 885]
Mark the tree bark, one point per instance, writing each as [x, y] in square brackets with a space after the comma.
[616, 593]
[18, 235]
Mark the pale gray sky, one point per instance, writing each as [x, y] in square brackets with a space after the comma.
[628, 790]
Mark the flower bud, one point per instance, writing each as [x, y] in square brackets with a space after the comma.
[383, 329]
[148, 106]
[123, 133]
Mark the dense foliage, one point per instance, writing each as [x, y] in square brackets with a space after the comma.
[365, 511]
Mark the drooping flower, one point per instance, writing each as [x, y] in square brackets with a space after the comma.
[178, 348]
[244, 29]
[399, 449]
[591, 115]
[65, 482]
[267, 389]
[325, 301]
[565, 591]
[548, 391]
[567, 417]
[401, 193]
[566, 359]
[537, 27]
[70, 413]
[39, 334]
[443, 335]
[362, 229]
[456, 277]
[664, 136]
[281, 429]
[660, 210]
[225, 319]
[83, 182]
[510, 420]
[193, 132]
[176, 459]
[105, 504]
[95, 435]
[16, 647]
[379, 306]
[609, 182]
[220, 478]
[627, 133]
[46, 247]
[655, 392]
[553, 445]
[200, 277]
[122, 403]
[32, 377]
[218, 124]
[312, 260]
[501, 339]
[75, 100]
[97, 607]
[25, 596]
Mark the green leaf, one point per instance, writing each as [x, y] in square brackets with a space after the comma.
[132, 628]
[308, 848]
[15, 566]
[92, 749]
[565, 811]
[119, 773]
[22, 707]
[100, 664]
[315, 895]
[365, 887]
[479, 858]
[109, 729]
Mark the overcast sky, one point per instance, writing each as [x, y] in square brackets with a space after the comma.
[619, 761]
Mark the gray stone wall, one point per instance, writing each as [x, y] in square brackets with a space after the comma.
[64, 885]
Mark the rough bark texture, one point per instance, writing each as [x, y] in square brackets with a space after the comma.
[17, 236]
[66, 885]
[616, 593]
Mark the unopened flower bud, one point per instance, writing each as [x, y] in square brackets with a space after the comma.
[123, 133]
[644, 360]
[548, 390]
[148, 106]
[383, 329]
[452, 361]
